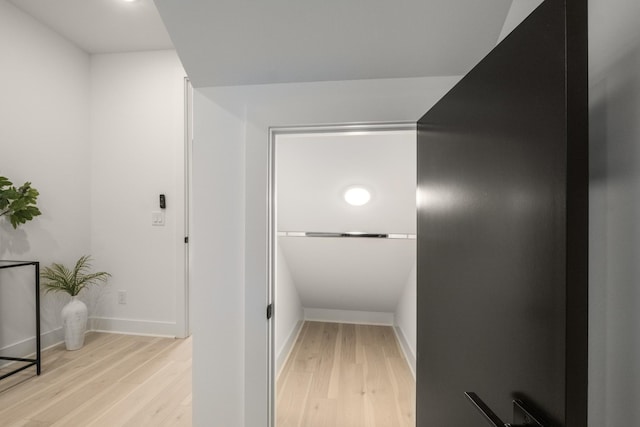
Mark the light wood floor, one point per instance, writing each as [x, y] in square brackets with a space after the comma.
[345, 375]
[114, 380]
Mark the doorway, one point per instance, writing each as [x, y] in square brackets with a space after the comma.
[342, 278]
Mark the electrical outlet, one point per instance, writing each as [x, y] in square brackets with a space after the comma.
[122, 297]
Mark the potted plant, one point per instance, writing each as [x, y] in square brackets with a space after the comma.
[59, 278]
[18, 204]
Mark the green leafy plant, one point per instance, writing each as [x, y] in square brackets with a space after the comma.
[59, 278]
[18, 204]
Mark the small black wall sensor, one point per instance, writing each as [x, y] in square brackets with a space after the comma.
[163, 202]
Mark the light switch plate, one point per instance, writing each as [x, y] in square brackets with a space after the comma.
[157, 218]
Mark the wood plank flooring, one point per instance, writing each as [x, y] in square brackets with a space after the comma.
[345, 375]
[114, 380]
[337, 375]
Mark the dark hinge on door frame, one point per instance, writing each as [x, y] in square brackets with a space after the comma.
[269, 311]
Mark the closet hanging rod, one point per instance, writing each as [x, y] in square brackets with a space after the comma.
[347, 234]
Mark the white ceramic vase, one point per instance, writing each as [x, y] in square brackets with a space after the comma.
[74, 323]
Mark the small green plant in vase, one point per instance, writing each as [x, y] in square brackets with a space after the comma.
[59, 278]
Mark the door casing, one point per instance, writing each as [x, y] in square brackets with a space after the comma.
[274, 132]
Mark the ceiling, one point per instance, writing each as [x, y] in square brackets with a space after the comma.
[314, 170]
[244, 42]
[102, 26]
[312, 173]
[349, 274]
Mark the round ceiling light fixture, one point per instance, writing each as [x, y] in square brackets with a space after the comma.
[357, 196]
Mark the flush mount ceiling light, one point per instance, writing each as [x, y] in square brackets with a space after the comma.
[357, 196]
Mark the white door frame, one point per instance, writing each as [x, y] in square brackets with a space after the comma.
[183, 312]
[272, 228]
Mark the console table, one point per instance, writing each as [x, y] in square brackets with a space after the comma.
[37, 360]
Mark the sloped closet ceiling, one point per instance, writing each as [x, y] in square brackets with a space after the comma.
[313, 171]
[242, 42]
[349, 274]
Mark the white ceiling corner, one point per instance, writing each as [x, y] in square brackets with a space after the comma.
[102, 26]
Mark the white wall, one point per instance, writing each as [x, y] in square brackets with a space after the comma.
[614, 348]
[44, 138]
[289, 314]
[218, 277]
[100, 137]
[406, 318]
[230, 220]
[137, 153]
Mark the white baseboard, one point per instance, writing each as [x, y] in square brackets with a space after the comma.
[48, 339]
[349, 316]
[132, 327]
[27, 347]
[285, 351]
[409, 355]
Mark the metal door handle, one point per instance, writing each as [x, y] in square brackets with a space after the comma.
[519, 407]
[482, 407]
